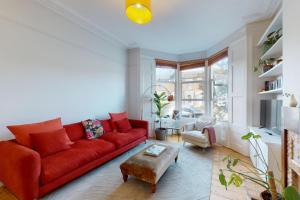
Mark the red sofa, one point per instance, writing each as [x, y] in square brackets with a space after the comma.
[29, 176]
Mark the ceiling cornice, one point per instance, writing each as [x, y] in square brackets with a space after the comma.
[79, 20]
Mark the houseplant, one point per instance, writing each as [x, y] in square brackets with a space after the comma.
[272, 38]
[237, 177]
[160, 101]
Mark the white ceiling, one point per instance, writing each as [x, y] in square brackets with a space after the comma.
[178, 26]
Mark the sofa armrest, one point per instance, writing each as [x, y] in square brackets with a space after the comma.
[140, 124]
[20, 169]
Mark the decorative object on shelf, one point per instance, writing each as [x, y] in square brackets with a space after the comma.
[139, 11]
[264, 65]
[272, 38]
[237, 177]
[160, 101]
[293, 100]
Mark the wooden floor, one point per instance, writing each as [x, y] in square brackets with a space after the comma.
[218, 192]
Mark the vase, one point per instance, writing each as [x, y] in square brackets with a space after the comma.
[266, 195]
[293, 101]
[161, 134]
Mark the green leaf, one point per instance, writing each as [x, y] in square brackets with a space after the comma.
[222, 179]
[226, 158]
[247, 136]
[290, 193]
[256, 136]
[236, 180]
[235, 162]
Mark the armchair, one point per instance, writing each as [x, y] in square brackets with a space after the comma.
[200, 133]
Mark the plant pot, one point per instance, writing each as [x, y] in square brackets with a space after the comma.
[266, 195]
[161, 133]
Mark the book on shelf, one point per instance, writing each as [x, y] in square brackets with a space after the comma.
[155, 150]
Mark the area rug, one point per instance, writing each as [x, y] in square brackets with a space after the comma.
[188, 179]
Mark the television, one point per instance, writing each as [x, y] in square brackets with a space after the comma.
[270, 115]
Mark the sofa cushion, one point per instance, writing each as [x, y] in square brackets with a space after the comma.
[22, 132]
[50, 142]
[93, 128]
[75, 131]
[122, 139]
[101, 147]
[123, 125]
[106, 123]
[81, 153]
[119, 139]
[116, 117]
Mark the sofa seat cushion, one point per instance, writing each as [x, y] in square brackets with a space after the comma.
[81, 153]
[101, 147]
[122, 139]
[119, 139]
[137, 133]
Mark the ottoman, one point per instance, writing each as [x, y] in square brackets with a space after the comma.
[149, 168]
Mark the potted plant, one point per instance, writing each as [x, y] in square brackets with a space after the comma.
[237, 177]
[160, 101]
[264, 65]
[272, 38]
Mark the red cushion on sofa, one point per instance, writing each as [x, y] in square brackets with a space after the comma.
[82, 152]
[75, 131]
[117, 117]
[51, 142]
[123, 125]
[22, 132]
[106, 125]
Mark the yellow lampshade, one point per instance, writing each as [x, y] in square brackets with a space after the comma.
[139, 11]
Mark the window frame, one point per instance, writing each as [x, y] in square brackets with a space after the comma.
[208, 82]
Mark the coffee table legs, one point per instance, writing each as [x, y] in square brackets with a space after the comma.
[153, 188]
[125, 177]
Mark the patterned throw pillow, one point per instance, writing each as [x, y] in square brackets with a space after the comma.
[93, 128]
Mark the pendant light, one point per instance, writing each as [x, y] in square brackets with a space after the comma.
[139, 11]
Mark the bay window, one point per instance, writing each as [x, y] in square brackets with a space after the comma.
[201, 86]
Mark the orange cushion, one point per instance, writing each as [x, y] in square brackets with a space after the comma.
[117, 117]
[22, 132]
[51, 142]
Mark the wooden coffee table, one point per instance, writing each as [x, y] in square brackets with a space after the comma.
[148, 168]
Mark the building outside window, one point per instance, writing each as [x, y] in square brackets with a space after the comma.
[193, 92]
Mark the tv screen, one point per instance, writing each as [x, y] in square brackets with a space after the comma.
[270, 115]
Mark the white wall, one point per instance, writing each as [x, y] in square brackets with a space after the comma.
[291, 47]
[51, 67]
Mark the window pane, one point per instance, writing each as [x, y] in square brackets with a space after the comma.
[192, 109]
[219, 75]
[165, 82]
[192, 91]
[220, 103]
[197, 74]
[165, 75]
